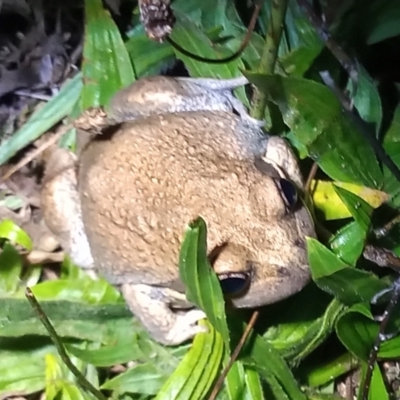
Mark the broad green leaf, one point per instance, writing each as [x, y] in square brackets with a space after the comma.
[142, 378]
[221, 22]
[74, 320]
[303, 44]
[234, 383]
[299, 31]
[359, 209]
[197, 42]
[10, 269]
[43, 119]
[22, 367]
[328, 371]
[296, 340]
[12, 232]
[243, 382]
[297, 62]
[334, 276]
[253, 385]
[393, 133]
[315, 116]
[391, 184]
[198, 370]
[365, 96]
[85, 290]
[118, 352]
[385, 21]
[202, 284]
[357, 330]
[147, 55]
[167, 358]
[61, 383]
[263, 358]
[106, 65]
[348, 243]
[378, 385]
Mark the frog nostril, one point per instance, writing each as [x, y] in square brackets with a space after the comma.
[233, 283]
[289, 192]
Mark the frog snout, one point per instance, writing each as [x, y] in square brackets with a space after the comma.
[231, 264]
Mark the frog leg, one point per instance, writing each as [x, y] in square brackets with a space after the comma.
[219, 91]
[61, 208]
[151, 307]
[199, 85]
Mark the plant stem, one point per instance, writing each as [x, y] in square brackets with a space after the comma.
[270, 53]
[82, 381]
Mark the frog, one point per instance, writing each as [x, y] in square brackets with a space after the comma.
[165, 151]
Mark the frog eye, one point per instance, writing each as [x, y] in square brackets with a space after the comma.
[234, 283]
[289, 192]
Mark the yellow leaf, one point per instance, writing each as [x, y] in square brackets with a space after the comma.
[329, 204]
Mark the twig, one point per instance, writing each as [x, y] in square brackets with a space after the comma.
[362, 126]
[270, 53]
[323, 32]
[382, 257]
[236, 54]
[82, 381]
[385, 229]
[234, 356]
[32, 155]
[381, 337]
[310, 177]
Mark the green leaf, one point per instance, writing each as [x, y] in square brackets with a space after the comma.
[242, 382]
[147, 55]
[348, 243]
[43, 119]
[328, 371]
[303, 44]
[365, 97]
[195, 41]
[359, 208]
[391, 184]
[296, 340]
[106, 65]
[253, 385]
[85, 290]
[378, 385]
[120, 351]
[75, 320]
[22, 369]
[385, 21]
[197, 371]
[61, 383]
[267, 361]
[142, 378]
[334, 276]
[202, 284]
[12, 232]
[357, 330]
[315, 116]
[10, 269]
[393, 133]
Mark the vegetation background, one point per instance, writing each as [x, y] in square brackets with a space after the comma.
[314, 345]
